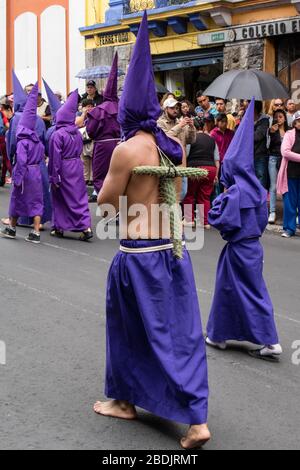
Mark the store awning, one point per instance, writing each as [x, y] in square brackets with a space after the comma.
[186, 60]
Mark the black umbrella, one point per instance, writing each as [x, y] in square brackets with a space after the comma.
[246, 84]
[161, 88]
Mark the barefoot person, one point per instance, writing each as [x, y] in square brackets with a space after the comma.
[156, 356]
[242, 309]
[27, 193]
[69, 196]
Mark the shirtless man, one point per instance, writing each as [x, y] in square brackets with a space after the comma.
[138, 151]
[156, 358]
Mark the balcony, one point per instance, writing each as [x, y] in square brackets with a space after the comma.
[135, 6]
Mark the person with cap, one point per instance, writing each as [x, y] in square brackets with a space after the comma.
[69, 196]
[27, 192]
[103, 128]
[92, 93]
[288, 183]
[242, 309]
[156, 357]
[169, 122]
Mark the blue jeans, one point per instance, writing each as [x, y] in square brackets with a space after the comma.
[273, 172]
[291, 206]
[261, 170]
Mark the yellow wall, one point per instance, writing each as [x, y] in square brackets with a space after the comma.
[95, 11]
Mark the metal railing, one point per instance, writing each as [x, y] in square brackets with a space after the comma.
[134, 6]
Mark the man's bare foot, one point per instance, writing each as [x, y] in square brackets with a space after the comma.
[116, 409]
[196, 438]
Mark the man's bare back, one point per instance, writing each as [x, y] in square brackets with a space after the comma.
[141, 150]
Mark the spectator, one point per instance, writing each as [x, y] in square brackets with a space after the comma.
[291, 110]
[277, 133]
[92, 93]
[209, 124]
[289, 178]
[88, 145]
[204, 154]
[28, 88]
[183, 129]
[221, 108]
[261, 128]
[43, 110]
[204, 107]
[6, 165]
[275, 106]
[187, 109]
[222, 135]
[86, 106]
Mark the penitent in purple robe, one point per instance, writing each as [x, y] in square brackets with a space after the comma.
[27, 189]
[69, 196]
[103, 127]
[242, 309]
[156, 356]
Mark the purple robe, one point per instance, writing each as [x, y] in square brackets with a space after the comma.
[27, 190]
[242, 309]
[11, 138]
[69, 195]
[103, 127]
[156, 355]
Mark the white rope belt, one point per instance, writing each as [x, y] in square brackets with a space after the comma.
[148, 249]
[108, 140]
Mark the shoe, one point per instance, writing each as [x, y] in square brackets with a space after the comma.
[57, 233]
[188, 224]
[33, 237]
[90, 183]
[221, 346]
[287, 235]
[267, 353]
[93, 199]
[272, 218]
[8, 232]
[86, 236]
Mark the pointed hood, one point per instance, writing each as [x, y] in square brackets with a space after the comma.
[53, 101]
[66, 115]
[29, 115]
[20, 96]
[139, 106]
[111, 90]
[238, 166]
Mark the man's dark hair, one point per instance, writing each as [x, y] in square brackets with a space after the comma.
[221, 117]
[199, 94]
[87, 102]
[219, 99]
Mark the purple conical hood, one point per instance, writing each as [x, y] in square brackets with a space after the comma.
[20, 96]
[29, 115]
[66, 115]
[111, 90]
[238, 166]
[53, 101]
[139, 107]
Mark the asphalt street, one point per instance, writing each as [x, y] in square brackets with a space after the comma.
[52, 320]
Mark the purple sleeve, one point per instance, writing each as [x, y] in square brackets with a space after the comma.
[95, 123]
[225, 214]
[54, 166]
[21, 163]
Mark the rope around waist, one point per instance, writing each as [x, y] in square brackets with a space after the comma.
[108, 140]
[149, 249]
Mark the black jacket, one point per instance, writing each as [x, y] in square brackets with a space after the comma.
[261, 136]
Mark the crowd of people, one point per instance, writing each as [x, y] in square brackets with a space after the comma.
[205, 129]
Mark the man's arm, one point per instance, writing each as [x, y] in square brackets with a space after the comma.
[118, 177]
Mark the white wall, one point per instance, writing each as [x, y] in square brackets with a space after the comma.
[77, 45]
[3, 48]
[26, 48]
[53, 48]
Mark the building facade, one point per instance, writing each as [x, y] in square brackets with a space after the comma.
[192, 42]
[40, 38]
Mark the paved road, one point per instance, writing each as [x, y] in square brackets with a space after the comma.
[53, 323]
